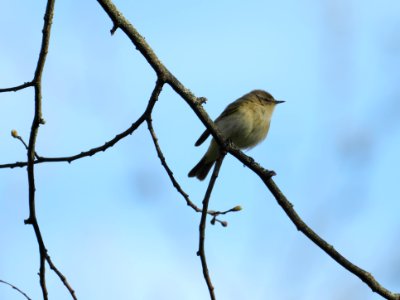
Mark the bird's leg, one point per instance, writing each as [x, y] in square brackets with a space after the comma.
[228, 144]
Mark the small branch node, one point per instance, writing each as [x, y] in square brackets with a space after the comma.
[114, 29]
[28, 221]
[201, 100]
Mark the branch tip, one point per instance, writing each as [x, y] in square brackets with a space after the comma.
[28, 221]
[114, 29]
[14, 134]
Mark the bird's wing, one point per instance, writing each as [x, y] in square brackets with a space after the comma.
[202, 138]
[230, 109]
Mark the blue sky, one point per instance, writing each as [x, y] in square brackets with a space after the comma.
[114, 224]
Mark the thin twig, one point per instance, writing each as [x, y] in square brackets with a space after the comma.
[15, 135]
[175, 183]
[17, 88]
[16, 288]
[83, 154]
[202, 227]
[62, 277]
[166, 167]
[31, 153]
[106, 145]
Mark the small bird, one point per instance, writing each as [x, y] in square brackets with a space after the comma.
[245, 122]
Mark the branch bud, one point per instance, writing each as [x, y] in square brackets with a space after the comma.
[237, 208]
[14, 133]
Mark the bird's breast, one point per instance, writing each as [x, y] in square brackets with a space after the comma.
[247, 126]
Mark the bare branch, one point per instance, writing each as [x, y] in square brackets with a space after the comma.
[17, 88]
[164, 76]
[329, 249]
[31, 153]
[62, 277]
[166, 167]
[120, 22]
[15, 135]
[37, 120]
[16, 288]
[177, 185]
[153, 98]
[83, 154]
[202, 226]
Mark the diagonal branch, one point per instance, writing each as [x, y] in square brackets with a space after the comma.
[176, 184]
[61, 276]
[16, 288]
[365, 276]
[166, 167]
[119, 21]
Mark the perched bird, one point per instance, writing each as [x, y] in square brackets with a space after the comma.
[245, 122]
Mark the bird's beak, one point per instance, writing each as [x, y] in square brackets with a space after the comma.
[279, 101]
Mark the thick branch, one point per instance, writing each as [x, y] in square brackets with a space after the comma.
[329, 249]
[120, 22]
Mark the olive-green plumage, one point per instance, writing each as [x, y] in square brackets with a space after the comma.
[245, 122]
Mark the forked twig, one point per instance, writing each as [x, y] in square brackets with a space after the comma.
[175, 183]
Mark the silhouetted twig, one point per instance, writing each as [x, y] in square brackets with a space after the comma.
[175, 182]
[17, 88]
[15, 135]
[202, 227]
[106, 145]
[61, 276]
[16, 288]
[36, 83]
[37, 120]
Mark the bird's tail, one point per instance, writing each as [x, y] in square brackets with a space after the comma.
[202, 168]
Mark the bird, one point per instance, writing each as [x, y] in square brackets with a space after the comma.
[245, 122]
